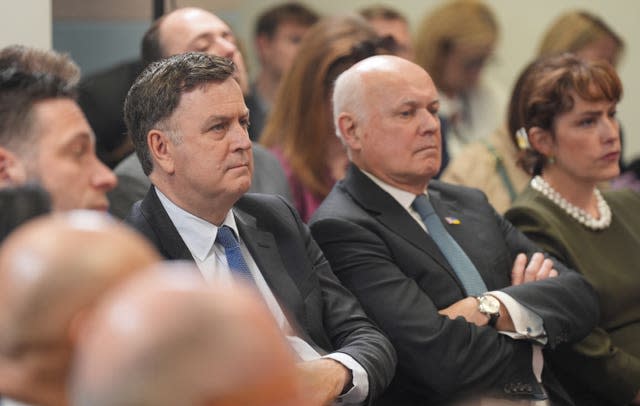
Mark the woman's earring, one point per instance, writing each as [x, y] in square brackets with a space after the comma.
[551, 160]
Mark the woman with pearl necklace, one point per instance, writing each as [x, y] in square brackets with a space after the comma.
[563, 120]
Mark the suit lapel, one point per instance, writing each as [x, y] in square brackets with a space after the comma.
[171, 244]
[390, 213]
[264, 250]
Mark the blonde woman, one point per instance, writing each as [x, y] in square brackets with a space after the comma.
[453, 44]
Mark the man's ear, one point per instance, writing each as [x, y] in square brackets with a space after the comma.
[12, 170]
[541, 141]
[161, 149]
[351, 134]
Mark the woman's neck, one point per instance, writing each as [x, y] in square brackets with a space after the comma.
[578, 192]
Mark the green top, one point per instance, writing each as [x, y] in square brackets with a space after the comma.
[604, 368]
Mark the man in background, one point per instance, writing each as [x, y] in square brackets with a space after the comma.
[278, 32]
[390, 22]
[44, 136]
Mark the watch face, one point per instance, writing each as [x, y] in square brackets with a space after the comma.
[489, 305]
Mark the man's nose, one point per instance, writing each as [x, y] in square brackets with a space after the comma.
[429, 122]
[103, 177]
[225, 48]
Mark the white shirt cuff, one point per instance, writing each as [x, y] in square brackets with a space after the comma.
[528, 325]
[360, 380]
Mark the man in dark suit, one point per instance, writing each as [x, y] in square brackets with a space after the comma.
[467, 314]
[184, 30]
[188, 121]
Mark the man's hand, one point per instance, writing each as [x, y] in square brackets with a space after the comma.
[467, 308]
[323, 380]
[636, 400]
[538, 269]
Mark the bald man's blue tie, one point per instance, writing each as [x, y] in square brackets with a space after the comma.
[226, 237]
[459, 261]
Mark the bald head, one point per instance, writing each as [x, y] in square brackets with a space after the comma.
[52, 271]
[55, 266]
[385, 111]
[167, 339]
[193, 29]
[351, 87]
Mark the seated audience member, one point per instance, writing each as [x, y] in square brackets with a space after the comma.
[390, 22]
[52, 271]
[184, 30]
[570, 142]
[490, 165]
[433, 264]
[19, 204]
[44, 137]
[300, 129]
[188, 121]
[278, 33]
[453, 44]
[584, 34]
[191, 344]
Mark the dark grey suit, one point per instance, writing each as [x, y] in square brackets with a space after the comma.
[268, 177]
[397, 272]
[326, 314]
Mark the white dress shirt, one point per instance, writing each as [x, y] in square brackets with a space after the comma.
[199, 236]
[528, 325]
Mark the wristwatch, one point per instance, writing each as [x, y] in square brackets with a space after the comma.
[490, 306]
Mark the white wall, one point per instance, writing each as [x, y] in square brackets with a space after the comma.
[26, 22]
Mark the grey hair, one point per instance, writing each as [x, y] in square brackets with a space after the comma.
[348, 96]
[156, 94]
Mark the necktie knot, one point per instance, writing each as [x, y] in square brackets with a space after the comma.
[227, 239]
[457, 258]
[422, 205]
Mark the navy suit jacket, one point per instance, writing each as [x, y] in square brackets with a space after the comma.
[325, 313]
[402, 279]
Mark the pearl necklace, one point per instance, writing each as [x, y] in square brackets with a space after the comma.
[577, 213]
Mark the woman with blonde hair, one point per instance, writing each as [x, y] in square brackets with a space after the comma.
[453, 44]
[490, 164]
[300, 128]
[565, 127]
[583, 34]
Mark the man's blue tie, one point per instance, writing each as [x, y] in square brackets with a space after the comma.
[459, 261]
[239, 267]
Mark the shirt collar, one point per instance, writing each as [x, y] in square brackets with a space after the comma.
[198, 234]
[401, 196]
